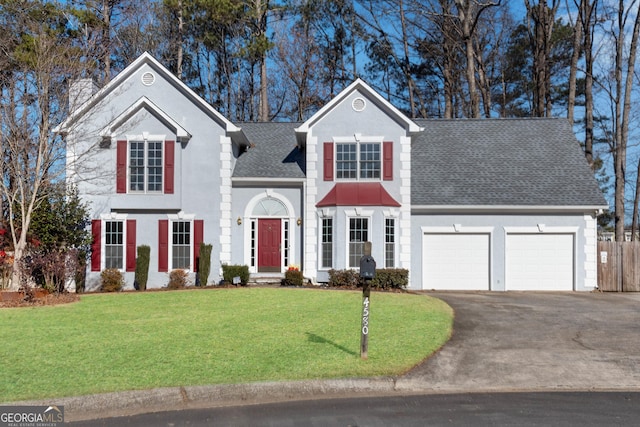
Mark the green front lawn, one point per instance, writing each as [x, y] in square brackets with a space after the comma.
[126, 341]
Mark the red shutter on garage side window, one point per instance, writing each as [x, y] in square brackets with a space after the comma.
[387, 161]
[198, 237]
[163, 245]
[169, 165]
[328, 161]
[121, 167]
[96, 231]
[131, 245]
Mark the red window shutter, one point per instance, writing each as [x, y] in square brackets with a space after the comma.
[96, 230]
[198, 237]
[131, 245]
[121, 167]
[387, 162]
[163, 245]
[328, 161]
[169, 160]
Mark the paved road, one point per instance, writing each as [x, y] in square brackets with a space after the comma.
[510, 409]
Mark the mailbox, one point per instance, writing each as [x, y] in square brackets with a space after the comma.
[367, 267]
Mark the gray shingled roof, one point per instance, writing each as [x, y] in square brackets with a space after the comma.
[460, 162]
[274, 154]
[489, 162]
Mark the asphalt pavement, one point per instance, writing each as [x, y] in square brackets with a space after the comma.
[502, 342]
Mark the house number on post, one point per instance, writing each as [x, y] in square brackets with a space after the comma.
[367, 272]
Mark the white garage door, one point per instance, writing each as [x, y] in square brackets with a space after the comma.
[455, 261]
[540, 262]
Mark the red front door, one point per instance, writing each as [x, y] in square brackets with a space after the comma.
[269, 245]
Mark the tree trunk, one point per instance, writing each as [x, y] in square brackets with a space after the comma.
[466, 16]
[543, 18]
[262, 7]
[106, 39]
[588, 15]
[180, 48]
[573, 69]
[623, 114]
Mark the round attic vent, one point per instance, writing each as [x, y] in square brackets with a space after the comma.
[358, 104]
[148, 78]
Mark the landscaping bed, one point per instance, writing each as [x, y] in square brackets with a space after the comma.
[41, 297]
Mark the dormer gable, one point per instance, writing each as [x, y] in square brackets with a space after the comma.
[158, 71]
[365, 95]
[145, 104]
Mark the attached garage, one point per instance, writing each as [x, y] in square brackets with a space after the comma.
[456, 261]
[540, 262]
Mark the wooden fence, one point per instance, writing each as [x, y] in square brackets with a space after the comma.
[619, 266]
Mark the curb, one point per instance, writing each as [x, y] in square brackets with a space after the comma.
[135, 402]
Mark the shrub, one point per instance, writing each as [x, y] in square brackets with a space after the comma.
[390, 278]
[204, 264]
[178, 279]
[231, 271]
[385, 278]
[344, 278]
[112, 280]
[80, 275]
[142, 267]
[50, 270]
[293, 277]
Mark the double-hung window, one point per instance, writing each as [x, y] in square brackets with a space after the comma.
[327, 243]
[145, 166]
[389, 242]
[358, 160]
[114, 244]
[358, 235]
[181, 244]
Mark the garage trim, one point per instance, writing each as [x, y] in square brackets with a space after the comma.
[540, 229]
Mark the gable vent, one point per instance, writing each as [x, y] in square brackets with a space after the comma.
[358, 104]
[148, 78]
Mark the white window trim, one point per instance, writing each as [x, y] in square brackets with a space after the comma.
[394, 214]
[326, 214]
[113, 216]
[357, 139]
[146, 137]
[180, 217]
[395, 240]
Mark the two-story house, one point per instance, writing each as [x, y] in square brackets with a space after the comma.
[462, 204]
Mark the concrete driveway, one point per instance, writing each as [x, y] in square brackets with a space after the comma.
[506, 341]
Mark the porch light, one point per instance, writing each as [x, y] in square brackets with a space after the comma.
[239, 221]
[299, 221]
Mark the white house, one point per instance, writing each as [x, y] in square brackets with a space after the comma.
[491, 204]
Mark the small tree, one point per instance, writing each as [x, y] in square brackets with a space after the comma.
[57, 240]
[142, 267]
[39, 57]
[204, 264]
